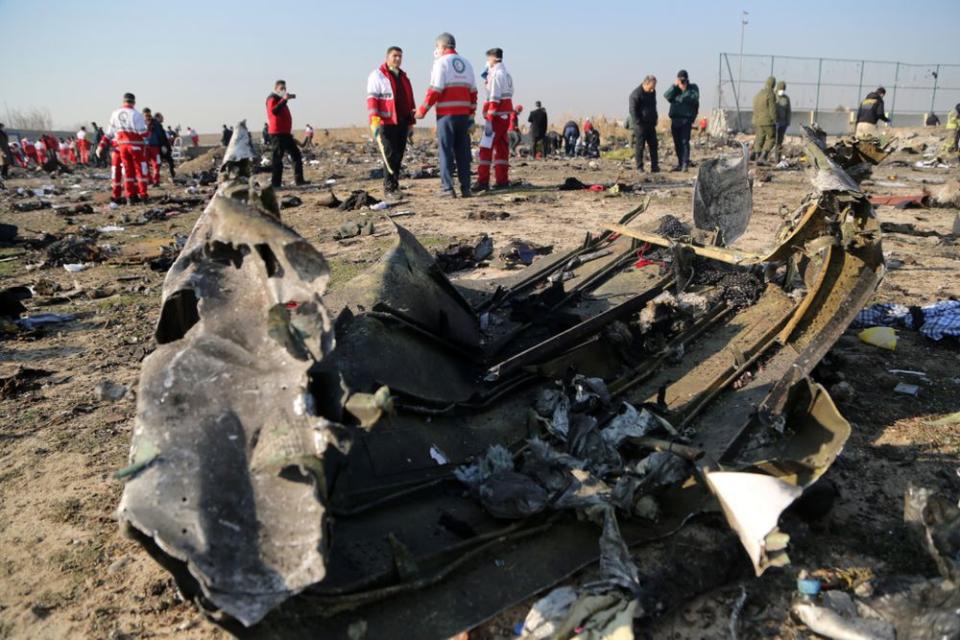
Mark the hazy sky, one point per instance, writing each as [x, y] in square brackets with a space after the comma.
[203, 63]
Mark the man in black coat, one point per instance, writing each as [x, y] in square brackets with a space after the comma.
[538, 130]
[643, 113]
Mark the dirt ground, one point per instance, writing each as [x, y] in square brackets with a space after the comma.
[65, 571]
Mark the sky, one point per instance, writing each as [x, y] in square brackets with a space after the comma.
[204, 63]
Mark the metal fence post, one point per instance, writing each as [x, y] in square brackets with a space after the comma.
[736, 98]
[856, 100]
[816, 108]
[893, 101]
[936, 78]
[719, 81]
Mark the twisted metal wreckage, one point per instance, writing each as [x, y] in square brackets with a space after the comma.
[445, 450]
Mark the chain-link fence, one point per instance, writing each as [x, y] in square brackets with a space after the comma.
[825, 85]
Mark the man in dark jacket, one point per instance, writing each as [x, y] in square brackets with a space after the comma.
[870, 112]
[538, 130]
[765, 120]
[643, 118]
[684, 99]
[280, 126]
[571, 133]
[156, 142]
[225, 135]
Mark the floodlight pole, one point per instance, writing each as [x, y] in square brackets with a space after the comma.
[743, 28]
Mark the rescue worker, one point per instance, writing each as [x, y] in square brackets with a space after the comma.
[83, 146]
[225, 135]
[513, 129]
[571, 133]
[684, 99]
[870, 112]
[125, 132]
[453, 89]
[494, 147]
[17, 152]
[280, 126]
[765, 120]
[391, 108]
[587, 126]
[307, 137]
[40, 146]
[784, 116]
[643, 115]
[538, 130]
[194, 136]
[156, 142]
[29, 150]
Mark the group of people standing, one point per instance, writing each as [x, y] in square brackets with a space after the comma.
[138, 143]
[392, 113]
[684, 99]
[46, 149]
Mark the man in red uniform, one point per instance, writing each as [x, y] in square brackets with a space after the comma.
[497, 111]
[126, 131]
[29, 151]
[280, 127]
[83, 146]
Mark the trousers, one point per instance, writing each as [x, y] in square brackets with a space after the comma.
[498, 155]
[680, 128]
[453, 138]
[153, 164]
[646, 134]
[283, 143]
[129, 171]
[394, 139]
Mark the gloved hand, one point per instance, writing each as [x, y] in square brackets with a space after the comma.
[99, 153]
[375, 123]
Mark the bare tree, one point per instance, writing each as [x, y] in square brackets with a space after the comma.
[32, 119]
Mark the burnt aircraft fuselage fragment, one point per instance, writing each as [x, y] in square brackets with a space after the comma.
[272, 460]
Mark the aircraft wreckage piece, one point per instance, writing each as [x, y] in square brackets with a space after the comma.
[565, 389]
[228, 452]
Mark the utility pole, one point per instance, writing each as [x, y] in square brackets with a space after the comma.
[743, 28]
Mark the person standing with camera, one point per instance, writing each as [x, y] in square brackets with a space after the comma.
[280, 127]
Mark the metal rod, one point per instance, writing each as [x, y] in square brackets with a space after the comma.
[816, 109]
[736, 94]
[859, 96]
[893, 101]
[743, 28]
[933, 97]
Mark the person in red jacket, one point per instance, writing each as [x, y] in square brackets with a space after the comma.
[125, 133]
[391, 109]
[280, 127]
